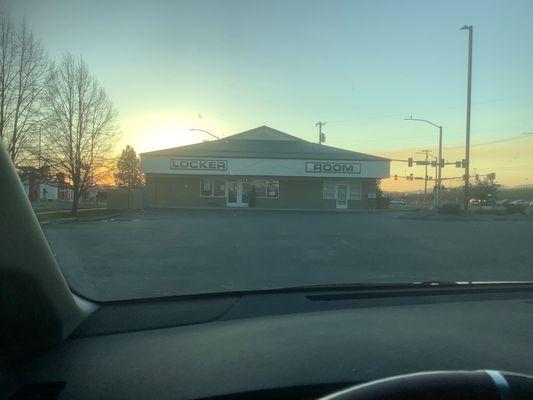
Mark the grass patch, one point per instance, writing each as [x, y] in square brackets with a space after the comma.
[66, 216]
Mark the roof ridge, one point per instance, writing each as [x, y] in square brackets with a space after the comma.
[261, 143]
[254, 131]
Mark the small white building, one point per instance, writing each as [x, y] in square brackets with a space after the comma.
[48, 191]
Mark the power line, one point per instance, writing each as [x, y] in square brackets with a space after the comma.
[386, 116]
[487, 143]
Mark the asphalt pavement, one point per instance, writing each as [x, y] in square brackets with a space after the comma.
[172, 252]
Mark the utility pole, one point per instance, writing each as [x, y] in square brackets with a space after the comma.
[440, 161]
[39, 172]
[39, 150]
[426, 152]
[321, 136]
[468, 107]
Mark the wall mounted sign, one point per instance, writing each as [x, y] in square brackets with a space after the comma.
[320, 167]
[199, 165]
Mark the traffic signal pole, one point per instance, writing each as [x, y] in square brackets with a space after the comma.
[426, 163]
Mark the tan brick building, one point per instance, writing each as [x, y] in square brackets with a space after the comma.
[264, 168]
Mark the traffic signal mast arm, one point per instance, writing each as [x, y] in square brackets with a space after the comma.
[411, 177]
[410, 162]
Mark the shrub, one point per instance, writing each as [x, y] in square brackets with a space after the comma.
[450, 209]
[383, 202]
[515, 208]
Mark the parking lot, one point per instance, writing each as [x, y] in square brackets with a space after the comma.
[171, 252]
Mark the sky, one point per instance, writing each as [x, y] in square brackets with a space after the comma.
[360, 66]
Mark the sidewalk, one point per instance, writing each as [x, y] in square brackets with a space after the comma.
[252, 209]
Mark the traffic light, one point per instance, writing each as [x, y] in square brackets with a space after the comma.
[458, 164]
[410, 177]
[410, 162]
[441, 164]
[395, 177]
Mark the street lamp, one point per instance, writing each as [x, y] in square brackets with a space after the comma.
[470, 30]
[439, 160]
[203, 130]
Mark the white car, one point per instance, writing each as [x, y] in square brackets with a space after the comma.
[398, 202]
[520, 203]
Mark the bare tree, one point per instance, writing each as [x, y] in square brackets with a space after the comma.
[81, 128]
[23, 72]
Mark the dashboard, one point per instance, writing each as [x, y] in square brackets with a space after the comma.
[293, 345]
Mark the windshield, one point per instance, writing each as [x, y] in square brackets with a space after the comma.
[174, 148]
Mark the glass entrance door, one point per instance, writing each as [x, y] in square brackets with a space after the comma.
[234, 194]
[341, 195]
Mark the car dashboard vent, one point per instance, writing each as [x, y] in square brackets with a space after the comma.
[38, 391]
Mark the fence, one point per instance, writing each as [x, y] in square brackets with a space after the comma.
[125, 199]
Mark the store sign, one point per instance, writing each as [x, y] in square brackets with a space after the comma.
[199, 165]
[319, 167]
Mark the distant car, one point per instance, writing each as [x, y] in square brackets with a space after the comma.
[475, 202]
[398, 202]
[502, 202]
[519, 203]
[488, 202]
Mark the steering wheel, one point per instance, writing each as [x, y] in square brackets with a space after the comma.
[443, 385]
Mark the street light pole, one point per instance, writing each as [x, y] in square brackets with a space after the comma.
[203, 130]
[470, 30]
[440, 161]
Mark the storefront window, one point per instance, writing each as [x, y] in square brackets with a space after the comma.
[328, 191]
[266, 189]
[219, 188]
[213, 188]
[206, 188]
[272, 188]
[355, 191]
[260, 188]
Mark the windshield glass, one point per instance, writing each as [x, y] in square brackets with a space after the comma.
[173, 148]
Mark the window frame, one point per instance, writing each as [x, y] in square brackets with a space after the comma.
[266, 196]
[202, 187]
[212, 184]
[359, 191]
[333, 192]
[276, 185]
[213, 188]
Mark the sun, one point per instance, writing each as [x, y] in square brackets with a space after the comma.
[161, 130]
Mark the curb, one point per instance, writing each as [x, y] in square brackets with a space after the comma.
[255, 209]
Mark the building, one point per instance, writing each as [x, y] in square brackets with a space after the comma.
[47, 190]
[265, 168]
